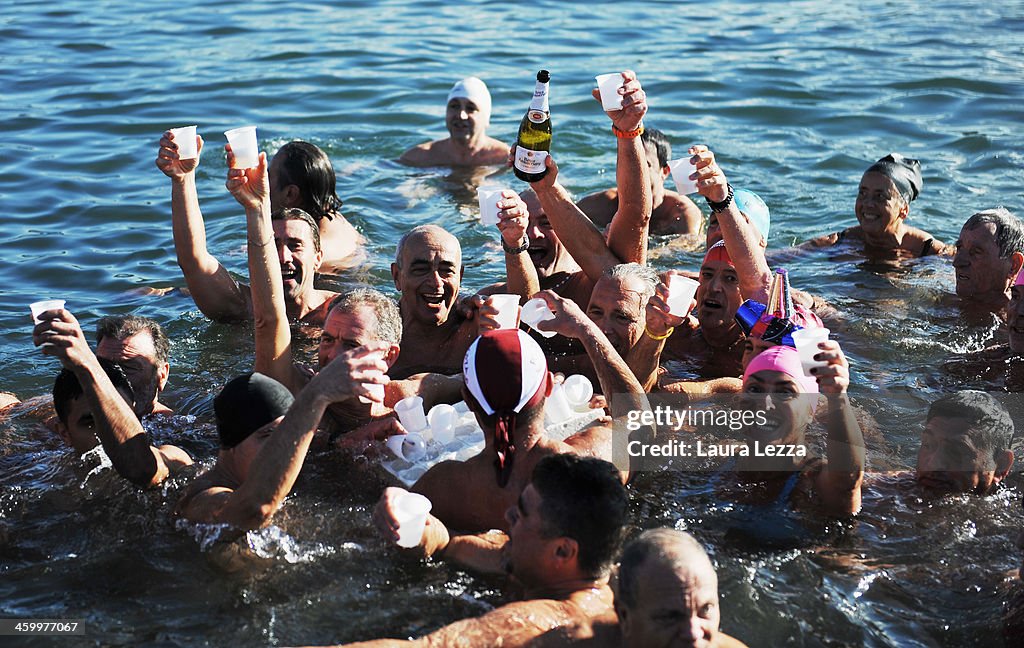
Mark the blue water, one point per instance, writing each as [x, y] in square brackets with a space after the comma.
[796, 99]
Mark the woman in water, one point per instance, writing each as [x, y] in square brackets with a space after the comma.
[774, 464]
[883, 203]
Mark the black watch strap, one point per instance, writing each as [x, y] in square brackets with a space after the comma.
[516, 250]
[721, 206]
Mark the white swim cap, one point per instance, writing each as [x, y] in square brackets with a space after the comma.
[475, 90]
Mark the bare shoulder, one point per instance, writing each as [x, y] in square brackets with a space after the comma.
[594, 441]
[493, 152]
[600, 206]
[676, 214]
[723, 640]
[424, 154]
[921, 243]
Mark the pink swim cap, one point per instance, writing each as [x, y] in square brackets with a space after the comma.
[785, 360]
[1019, 281]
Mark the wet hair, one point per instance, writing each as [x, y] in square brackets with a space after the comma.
[657, 139]
[644, 273]
[583, 498]
[294, 213]
[307, 167]
[989, 425]
[1009, 230]
[67, 388]
[122, 327]
[671, 548]
[389, 319]
[416, 231]
[246, 404]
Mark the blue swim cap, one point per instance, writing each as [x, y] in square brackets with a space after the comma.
[755, 209]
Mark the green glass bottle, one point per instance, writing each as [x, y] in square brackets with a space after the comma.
[534, 141]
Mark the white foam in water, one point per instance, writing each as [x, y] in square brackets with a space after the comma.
[454, 434]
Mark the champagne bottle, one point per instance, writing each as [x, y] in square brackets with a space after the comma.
[534, 140]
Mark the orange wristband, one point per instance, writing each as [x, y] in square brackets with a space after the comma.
[621, 134]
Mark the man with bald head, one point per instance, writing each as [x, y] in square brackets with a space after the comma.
[666, 594]
[428, 273]
[467, 116]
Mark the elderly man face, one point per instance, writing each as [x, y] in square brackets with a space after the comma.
[617, 306]
[718, 297]
[951, 460]
[545, 246]
[137, 356]
[428, 275]
[673, 607]
[980, 271]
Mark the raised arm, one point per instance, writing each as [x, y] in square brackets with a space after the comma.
[119, 430]
[840, 482]
[215, 292]
[251, 189]
[578, 233]
[520, 272]
[645, 356]
[274, 470]
[628, 231]
[742, 239]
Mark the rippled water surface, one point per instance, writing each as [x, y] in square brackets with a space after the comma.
[796, 98]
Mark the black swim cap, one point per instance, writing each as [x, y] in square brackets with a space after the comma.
[246, 404]
[904, 172]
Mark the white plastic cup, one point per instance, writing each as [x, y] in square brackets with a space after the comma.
[410, 413]
[806, 341]
[394, 444]
[244, 146]
[442, 419]
[681, 170]
[40, 307]
[578, 391]
[489, 197]
[608, 85]
[556, 408]
[376, 389]
[508, 310]
[534, 312]
[680, 293]
[414, 447]
[411, 511]
[185, 138]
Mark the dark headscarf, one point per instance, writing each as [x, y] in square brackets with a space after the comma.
[905, 173]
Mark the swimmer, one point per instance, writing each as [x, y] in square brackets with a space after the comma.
[965, 445]
[774, 383]
[467, 117]
[563, 531]
[427, 272]
[354, 319]
[264, 436]
[666, 594]
[989, 255]
[506, 384]
[301, 176]
[142, 349]
[217, 294]
[883, 204]
[92, 410]
[673, 213]
[710, 336]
